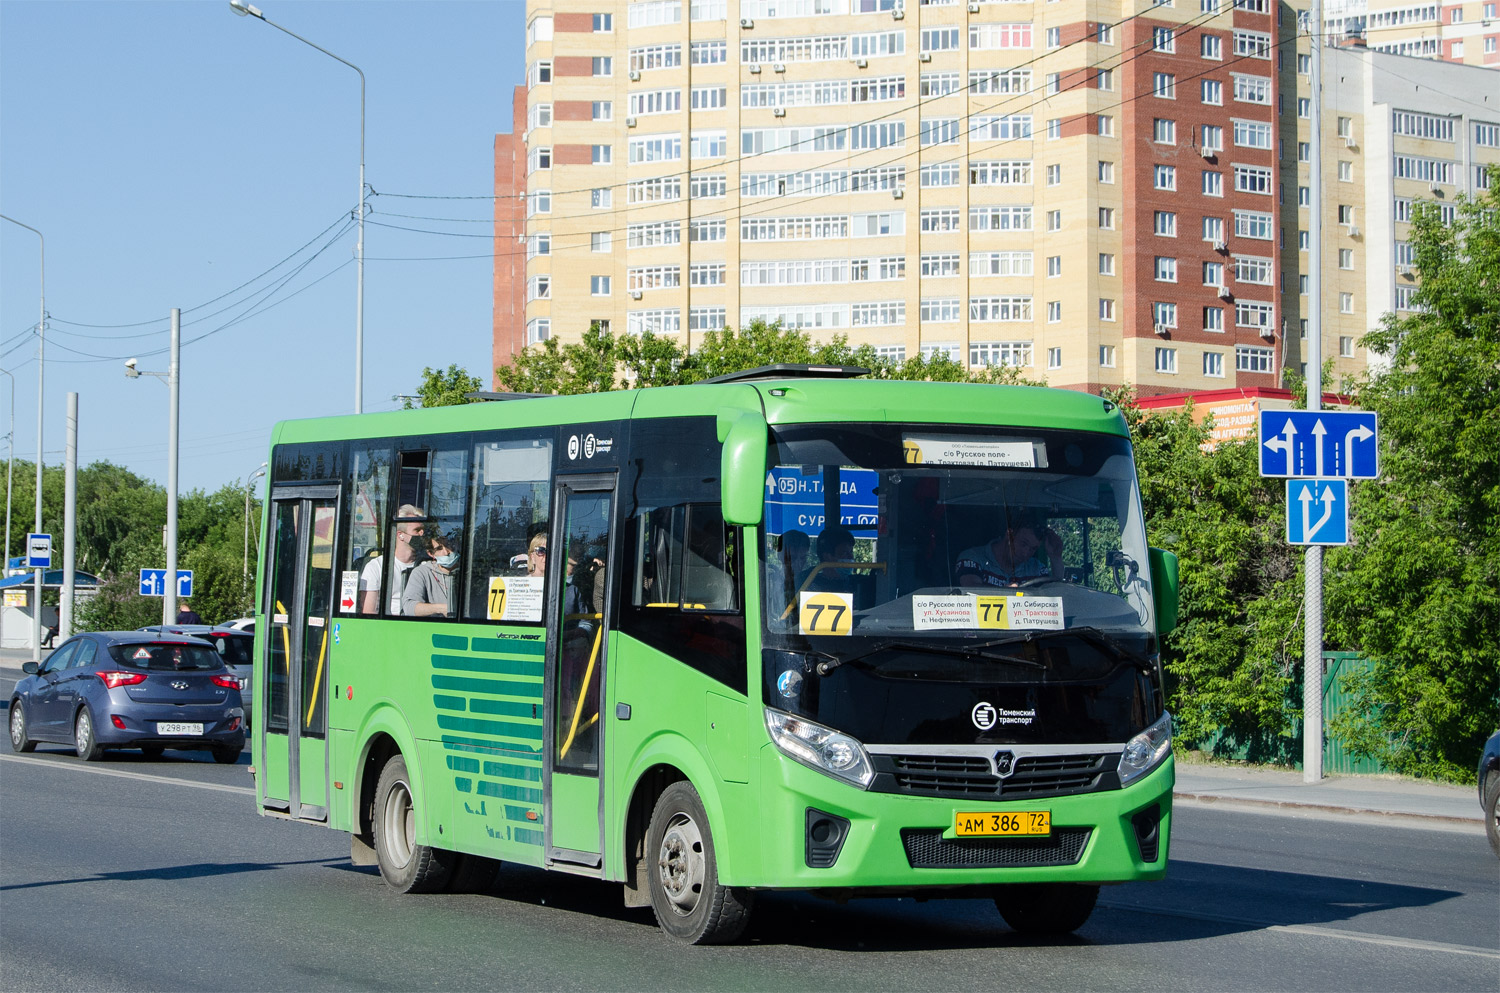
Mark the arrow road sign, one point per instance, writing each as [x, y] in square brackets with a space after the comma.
[154, 582]
[1317, 512]
[1318, 443]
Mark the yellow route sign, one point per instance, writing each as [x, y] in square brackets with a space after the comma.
[825, 613]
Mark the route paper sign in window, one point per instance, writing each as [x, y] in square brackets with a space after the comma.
[960, 449]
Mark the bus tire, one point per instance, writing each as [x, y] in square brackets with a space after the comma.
[406, 866]
[690, 903]
[1046, 908]
[472, 873]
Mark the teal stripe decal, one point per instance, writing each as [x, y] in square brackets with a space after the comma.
[527, 837]
[460, 764]
[514, 646]
[448, 702]
[499, 667]
[502, 708]
[502, 770]
[519, 814]
[500, 791]
[453, 642]
[463, 785]
[499, 729]
[495, 687]
[456, 744]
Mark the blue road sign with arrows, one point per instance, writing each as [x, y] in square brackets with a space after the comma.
[1318, 443]
[154, 582]
[1317, 512]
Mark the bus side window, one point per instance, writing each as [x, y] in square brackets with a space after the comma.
[512, 484]
[366, 510]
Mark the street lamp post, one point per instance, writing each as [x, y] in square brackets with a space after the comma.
[41, 349]
[10, 465]
[246, 9]
[173, 380]
[249, 485]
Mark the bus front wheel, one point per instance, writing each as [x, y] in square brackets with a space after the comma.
[690, 903]
[406, 866]
[1046, 908]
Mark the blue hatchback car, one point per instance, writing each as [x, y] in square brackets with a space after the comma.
[129, 689]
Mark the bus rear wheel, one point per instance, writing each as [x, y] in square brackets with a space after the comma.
[406, 866]
[690, 903]
[1046, 908]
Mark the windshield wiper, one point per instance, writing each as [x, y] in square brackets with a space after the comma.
[967, 651]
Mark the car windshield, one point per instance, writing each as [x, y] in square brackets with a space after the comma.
[169, 657]
[947, 536]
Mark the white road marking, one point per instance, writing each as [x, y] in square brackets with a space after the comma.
[1315, 931]
[122, 774]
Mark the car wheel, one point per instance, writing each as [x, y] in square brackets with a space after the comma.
[1491, 807]
[227, 756]
[690, 903]
[152, 751]
[1046, 908]
[406, 866]
[19, 741]
[84, 742]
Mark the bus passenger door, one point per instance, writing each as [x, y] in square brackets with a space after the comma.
[292, 756]
[578, 600]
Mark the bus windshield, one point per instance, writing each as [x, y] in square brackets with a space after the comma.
[941, 537]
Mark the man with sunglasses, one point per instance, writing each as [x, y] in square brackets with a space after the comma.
[406, 537]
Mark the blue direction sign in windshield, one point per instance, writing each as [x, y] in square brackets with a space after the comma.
[794, 501]
[1337, 443]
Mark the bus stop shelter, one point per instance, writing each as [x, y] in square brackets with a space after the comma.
[17, 609]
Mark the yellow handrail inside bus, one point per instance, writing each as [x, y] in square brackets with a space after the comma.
[318, 678]
[286, 641]
[588, 677]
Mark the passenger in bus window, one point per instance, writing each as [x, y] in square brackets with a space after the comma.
[789, 562]
[536, 549]
[1012, 557]
[835, 545]
[430, 589]
[407, 553]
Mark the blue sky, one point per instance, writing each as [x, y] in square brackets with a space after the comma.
[172, 152]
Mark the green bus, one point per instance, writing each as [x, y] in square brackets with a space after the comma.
[789, 629]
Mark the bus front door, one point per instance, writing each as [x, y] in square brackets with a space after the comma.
[577, 645]
[293, 752]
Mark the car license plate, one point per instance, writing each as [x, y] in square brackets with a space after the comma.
[1013, 823]
[168, 727]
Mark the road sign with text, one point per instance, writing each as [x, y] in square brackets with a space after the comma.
[1317, 512]
[1318, 443]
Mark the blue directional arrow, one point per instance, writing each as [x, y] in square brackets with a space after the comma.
[1317, 512]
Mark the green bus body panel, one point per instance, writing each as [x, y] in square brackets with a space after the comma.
[464, 702]
[575, 812]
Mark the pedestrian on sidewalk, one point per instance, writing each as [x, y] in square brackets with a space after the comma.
[51, 635]
[186, 614]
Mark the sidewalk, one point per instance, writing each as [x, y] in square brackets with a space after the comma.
[1411, 801]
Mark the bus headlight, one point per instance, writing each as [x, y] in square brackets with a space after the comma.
[820, 748]
[1146, 750]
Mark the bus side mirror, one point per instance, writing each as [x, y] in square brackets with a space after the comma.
[742, 466]
[1164, 589]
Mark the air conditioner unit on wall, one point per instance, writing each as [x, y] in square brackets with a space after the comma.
[1405, 270]
[755, 68]
[897, 193]
[635, 294]
[635, 75]
[1220, 246]
[1354, 230]
[1267, 332]
[746, 23]
[630, 122]
[778, 67]
[973, 8]
[1349, 142]
[1206, 152]
[898, 14]
[1162, 330]
[778, 111]
[925, 57]
[861, 63]
[1224, 293]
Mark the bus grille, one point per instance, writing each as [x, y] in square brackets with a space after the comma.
[928, 849]
[961, 776]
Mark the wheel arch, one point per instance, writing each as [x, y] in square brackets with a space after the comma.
[666, 759]
[384, 735]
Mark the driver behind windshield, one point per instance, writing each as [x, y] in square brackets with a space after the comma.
[1012, 558]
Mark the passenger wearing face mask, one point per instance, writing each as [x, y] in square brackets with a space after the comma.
[431, 590]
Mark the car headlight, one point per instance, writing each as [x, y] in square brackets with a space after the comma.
[1146, 750]
[824, 749]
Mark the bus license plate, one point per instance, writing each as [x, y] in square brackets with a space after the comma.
[1014, 823]
[166, 727]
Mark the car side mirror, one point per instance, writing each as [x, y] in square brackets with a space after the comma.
[30, 668]
[1164, 589]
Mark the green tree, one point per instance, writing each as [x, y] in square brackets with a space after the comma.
[443, 388]
[1418, 589]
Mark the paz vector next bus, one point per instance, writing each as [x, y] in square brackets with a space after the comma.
[785, 629]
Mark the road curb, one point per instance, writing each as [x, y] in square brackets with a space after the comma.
[1291, 806]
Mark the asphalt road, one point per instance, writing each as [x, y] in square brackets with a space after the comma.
[134, 874]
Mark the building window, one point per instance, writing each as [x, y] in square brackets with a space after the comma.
[539, 288]
[1054, 175]
[1213, 274]
[599, 241]
[603, 110]
[1346, 303]
[1107, 218]
[1054, 128]
[1166, 269]
[1346, 346]
[539, 158]
[1106, 356]
[1164, 85]
[538, 330]
[1213, 365]
[1346, 171]
[1054, 311]
[1105, 79]
[1164, 177]
[1213, 183]
[1213, 229]
[602, 154]
[1054, 358]
[601, 198]
[1166, 360]
[1054, 220]
[599, 286]
[1163, 40]
[1163, 131]
[1106, 171]
[1054, 266]
[1106, 264]
[1212, 92]
[1213, 319]
[604, 23]
[603, 65]
[1106, 34]
[707, 318]
[1165, 223]
[1054, 37]
[1164, 314]
[1106, 125]
[1248, 359]
[1212, 137]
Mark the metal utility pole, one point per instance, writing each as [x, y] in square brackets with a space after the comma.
[169, 600]
[41, 365]
[1312, 640]
[10, 465]
[70, 522]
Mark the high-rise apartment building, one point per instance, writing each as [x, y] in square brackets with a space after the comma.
[1091, 191]
[1396, 130]
[1467, 32]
